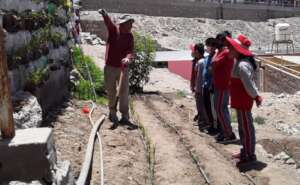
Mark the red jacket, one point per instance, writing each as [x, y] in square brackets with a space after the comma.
[119, 46]
[222, 66]
[240, 99]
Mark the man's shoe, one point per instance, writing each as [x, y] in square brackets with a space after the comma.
[124, 121]
[113, 118]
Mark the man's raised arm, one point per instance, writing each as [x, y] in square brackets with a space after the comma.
[107, 20]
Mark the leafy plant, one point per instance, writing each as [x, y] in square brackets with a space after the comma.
[140, 68]
[56, 39]
[260, 120]
[82, 90]
[181, 94]
[83, 64]
[37, 77]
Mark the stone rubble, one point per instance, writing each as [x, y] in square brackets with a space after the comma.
[290, 161]
[282, 156]
[282, 112]
[92, 39]
[30, 113]
[288, 129]
[63, 175]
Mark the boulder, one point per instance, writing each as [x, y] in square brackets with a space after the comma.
[28, 113]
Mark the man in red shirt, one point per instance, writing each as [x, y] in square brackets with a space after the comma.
[222, 66]
[119, 53]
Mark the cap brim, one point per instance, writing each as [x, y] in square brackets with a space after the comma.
[238, 47]
[125, 21]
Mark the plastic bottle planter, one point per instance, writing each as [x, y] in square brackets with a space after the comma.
[28, 20]
[54, 67]
[14, 61]
[37, 79]
[44, 49]
[33, 55]
[10, 22]
[56, 2]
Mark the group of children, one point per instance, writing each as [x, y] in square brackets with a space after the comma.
[223, 72]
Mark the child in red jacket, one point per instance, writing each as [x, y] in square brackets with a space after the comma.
[222, 66]
[243, 93]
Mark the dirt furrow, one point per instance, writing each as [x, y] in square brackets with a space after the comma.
[220, 170]
[264, 172]
[173, 165]
[123, 155]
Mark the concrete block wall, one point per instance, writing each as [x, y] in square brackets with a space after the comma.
[186, 8]
[278, 81]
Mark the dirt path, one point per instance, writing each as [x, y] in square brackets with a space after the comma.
[173, 165]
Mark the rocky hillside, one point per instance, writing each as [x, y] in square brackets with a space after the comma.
[179, 33]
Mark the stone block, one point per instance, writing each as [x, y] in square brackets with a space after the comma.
[30, 155]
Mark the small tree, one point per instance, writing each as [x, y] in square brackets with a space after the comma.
[140, 68]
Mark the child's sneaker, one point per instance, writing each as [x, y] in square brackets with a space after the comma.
[196, 118]
[212, 131]
[246, 161]
[219, 137]
[223, 139]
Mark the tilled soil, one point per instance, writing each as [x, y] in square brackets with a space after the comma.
[71, 133]
[123, 150]
[180, 148]
[218, 168]
[123, 155]
[266, 171]
[173, 165]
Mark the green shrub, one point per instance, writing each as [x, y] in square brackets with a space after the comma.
[84, 87]
[140, 68]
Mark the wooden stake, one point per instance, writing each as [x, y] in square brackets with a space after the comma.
[6, 109]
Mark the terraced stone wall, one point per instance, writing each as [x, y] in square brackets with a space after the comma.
[37, 44]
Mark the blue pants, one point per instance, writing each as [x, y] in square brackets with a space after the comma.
[221, 106]
[246, 132]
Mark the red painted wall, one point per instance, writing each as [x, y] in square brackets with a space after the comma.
[182, 68]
